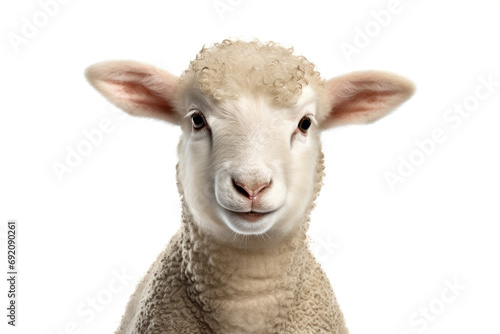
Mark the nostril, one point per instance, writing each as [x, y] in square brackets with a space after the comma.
[240, 189]
[250, 192]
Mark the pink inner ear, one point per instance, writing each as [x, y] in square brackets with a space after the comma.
[137, 94]
[139, 89]
[363, 97]
[363, 101]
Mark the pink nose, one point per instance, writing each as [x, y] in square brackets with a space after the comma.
[250, 191]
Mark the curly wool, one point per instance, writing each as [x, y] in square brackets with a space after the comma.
[196, 283]
[223, 69]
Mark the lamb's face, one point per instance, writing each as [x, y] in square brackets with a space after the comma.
[247, 166]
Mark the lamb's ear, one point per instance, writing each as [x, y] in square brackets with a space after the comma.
[139, 89]
[364, 97]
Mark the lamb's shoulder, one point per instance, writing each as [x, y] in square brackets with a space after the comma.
[317, 310]
[159, 303]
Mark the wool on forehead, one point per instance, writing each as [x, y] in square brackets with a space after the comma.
[225, 69]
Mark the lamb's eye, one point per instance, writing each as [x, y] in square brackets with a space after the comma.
[198, 121]
[304, 124]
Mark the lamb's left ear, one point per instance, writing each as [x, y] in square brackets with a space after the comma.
[364, 97]
[139, 89]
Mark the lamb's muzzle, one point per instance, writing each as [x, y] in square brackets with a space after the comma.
[250, 167]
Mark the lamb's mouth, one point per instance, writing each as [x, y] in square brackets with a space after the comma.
[250, 216]
[249, 222]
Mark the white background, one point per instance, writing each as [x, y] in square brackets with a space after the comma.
[388, 253]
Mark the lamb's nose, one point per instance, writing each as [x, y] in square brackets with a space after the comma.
[250, 191]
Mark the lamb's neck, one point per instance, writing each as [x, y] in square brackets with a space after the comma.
[242, 291]
[204, 254]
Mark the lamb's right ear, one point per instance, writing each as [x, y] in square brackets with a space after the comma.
[139, 89]
[364, 97]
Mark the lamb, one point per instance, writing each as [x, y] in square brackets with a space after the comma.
[250, 167]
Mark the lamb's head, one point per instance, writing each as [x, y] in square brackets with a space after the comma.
[251, 116]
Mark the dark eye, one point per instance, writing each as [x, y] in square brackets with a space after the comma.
[304, 124]
[198, 121]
